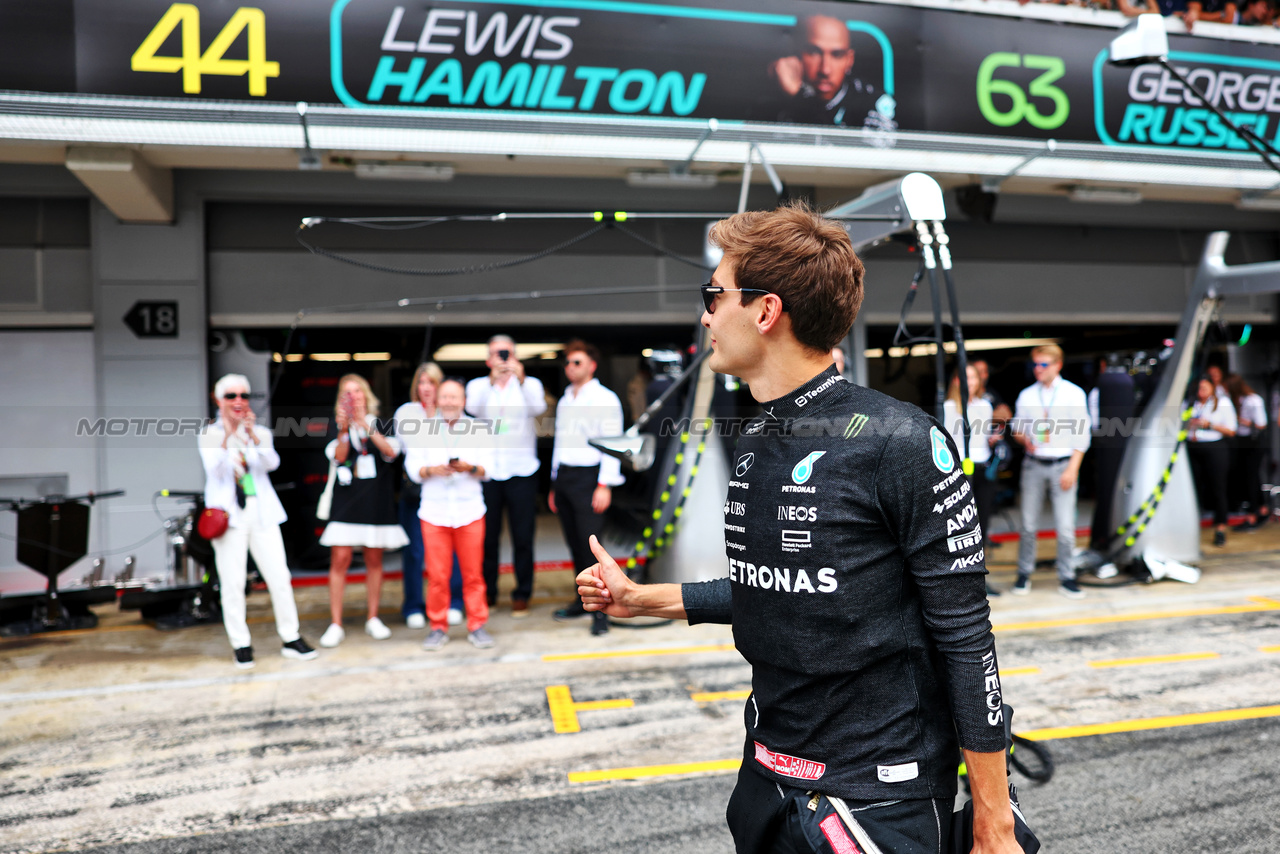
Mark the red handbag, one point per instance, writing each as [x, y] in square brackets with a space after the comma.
[212, 523]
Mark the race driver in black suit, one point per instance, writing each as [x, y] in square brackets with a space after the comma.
[856, 584]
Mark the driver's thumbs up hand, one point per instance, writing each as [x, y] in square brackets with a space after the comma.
[604, 586]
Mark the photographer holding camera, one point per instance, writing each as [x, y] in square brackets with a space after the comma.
[511, 401]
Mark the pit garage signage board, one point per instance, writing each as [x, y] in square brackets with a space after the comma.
[153, 318]
[850, 64]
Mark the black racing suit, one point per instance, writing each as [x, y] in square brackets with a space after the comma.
[856, 591]
[848, 108]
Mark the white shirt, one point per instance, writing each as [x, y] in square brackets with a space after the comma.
[1223, 415]
[409, 420]
[240, 455]
[1252, 409]
[455, 500]
[1055, 417]
[587, 413]
[512, 409]
[981, 415]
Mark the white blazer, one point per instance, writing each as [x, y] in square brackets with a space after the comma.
[220, 473]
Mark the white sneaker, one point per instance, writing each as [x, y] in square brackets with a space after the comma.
[415, 621]
[377, 629]
[332, 636]
[455, 617]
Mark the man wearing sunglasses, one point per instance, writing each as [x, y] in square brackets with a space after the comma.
[855, 583]
[582, 478]
[1051, 422]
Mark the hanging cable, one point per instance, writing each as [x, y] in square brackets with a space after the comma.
[957, 334]
[447, 271]
[622, 229]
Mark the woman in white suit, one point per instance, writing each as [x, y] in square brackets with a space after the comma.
[237, 456]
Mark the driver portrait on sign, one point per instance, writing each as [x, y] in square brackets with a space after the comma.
[856, 584]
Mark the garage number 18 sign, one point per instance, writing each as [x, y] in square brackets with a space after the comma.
[153, 319]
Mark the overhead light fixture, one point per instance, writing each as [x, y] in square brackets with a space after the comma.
[672, 179]
[1104, 195]
[480, 352]
[403, 170]
[1258, 202]
[331, 357]
[294, 357]
[971, 346]
[371, 357]
[1141, 42]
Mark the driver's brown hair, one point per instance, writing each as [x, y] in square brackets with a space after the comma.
[805, 259]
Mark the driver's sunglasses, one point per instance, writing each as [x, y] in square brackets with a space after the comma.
[575, 362]
[710, 292]
[233, 395]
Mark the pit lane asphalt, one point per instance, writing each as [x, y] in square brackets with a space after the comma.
[133, 740]
[1205, 789]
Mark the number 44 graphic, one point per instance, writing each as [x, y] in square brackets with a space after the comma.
[193, 64]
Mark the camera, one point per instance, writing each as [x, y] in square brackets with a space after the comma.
[504, 355]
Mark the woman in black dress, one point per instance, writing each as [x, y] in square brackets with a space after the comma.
[363, 511]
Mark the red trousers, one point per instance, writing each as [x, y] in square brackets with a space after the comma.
[439, 545]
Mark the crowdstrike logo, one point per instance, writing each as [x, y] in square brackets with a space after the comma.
[744, 464]
[804, 469]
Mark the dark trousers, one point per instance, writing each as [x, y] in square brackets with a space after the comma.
[1248, 455]
[1209, 464]
[574, 486]
[764, 820]
[411, 557]
[1106, 459]
[519, 497]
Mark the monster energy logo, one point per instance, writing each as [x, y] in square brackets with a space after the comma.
[856, 423]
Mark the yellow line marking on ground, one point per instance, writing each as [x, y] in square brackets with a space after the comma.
[1262, 604]
[654, 771]
[1269, 649]
[1163, 722]
[71, 633]
[564, 710]
[1154, 659]
[1047, 734]
[1019, 671]
[714, 696]
[628, 653]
